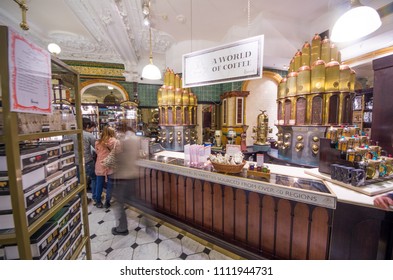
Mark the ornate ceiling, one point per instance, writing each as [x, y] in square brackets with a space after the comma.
[112, 30]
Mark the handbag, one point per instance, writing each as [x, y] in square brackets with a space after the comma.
[111, 160]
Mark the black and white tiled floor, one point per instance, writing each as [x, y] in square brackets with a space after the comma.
[149, 239]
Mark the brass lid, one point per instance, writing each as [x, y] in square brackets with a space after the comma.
[318, 62]
[316, 37]
[332, 45]
[283, 80]
[292, 74]
[325, 40]
[298, 53]
[353, 71]
[344, 67]
[306, 45]
[332, 63]
[304, 68]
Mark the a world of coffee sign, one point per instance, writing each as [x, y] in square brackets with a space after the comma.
[238, 61]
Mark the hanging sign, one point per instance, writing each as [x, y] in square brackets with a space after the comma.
[238, 61]
[30, 76]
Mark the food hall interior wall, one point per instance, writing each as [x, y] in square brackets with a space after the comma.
[262, 93]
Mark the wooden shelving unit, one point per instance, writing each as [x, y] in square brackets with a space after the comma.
[11, 139]
[362, 110]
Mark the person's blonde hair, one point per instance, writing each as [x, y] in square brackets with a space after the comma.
[107, 133]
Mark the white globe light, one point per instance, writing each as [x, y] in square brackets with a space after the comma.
[356, 23]
[151, 72]
[54, 48]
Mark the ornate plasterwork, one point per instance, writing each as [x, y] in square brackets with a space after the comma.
[76, 47]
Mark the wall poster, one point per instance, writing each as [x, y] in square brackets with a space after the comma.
[30, 76]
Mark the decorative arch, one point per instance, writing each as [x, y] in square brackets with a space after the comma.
[102, 82]
[267, 74]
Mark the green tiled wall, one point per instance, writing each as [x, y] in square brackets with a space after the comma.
[147, 93]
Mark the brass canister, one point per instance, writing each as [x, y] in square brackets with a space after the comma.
[282, 87]
[318, 76]
[325, 50]
[345, 78]
[159, 97]
[306, 53]
[291, 83]
[191, 96]
[297, 60]
[171, 78]
[185, 98]
[304, 80]
[164, 96]
[177, 81]
[170, 96]
[352, 81]
[315, 48]
[332, 76]
[178, 96]
[334, 52]
[166, 77]
[195, 100]
[339, 57]
[292, 65]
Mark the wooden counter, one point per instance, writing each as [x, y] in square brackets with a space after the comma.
[258, 219]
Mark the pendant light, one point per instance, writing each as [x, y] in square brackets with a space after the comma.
[151, 71]
[358, 22]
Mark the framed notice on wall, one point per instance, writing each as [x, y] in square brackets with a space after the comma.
[30, 76]
[238, 61]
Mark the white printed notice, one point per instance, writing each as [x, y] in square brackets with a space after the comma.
[238, 61]
[30, 76]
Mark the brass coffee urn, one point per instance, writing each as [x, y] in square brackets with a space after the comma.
[262, 129]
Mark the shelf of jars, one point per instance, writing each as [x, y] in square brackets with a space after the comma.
[352, 160]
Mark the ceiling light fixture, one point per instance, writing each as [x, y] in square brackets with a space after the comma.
[151, 71]
[146, 8]
[54, 48]
[23, 6]
[356, 23]
[146, 21]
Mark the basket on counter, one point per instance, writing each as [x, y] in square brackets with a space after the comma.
[228, 168]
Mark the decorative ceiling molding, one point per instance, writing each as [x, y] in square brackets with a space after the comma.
[80, 48]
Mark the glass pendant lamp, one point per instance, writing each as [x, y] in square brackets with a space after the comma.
[151, 71]
[356, 23]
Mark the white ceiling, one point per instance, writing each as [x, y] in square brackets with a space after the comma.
[112, 30]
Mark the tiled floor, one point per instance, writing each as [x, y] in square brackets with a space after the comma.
[149, 239]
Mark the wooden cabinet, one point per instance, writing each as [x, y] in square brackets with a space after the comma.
[20, 234]
[363, 110]
[382, 126]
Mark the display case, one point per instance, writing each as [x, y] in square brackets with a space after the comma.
[92, 112]
[24, 225]
[363, 110]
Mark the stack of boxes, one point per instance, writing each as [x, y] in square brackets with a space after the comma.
[49, 174]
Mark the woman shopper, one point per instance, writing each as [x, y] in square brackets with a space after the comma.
[103, 147]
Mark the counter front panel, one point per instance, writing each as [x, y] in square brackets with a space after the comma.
[286, 218]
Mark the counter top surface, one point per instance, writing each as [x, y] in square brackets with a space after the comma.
[283, 181]
[342, 194]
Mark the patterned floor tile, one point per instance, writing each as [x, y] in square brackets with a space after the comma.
[148, 239]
